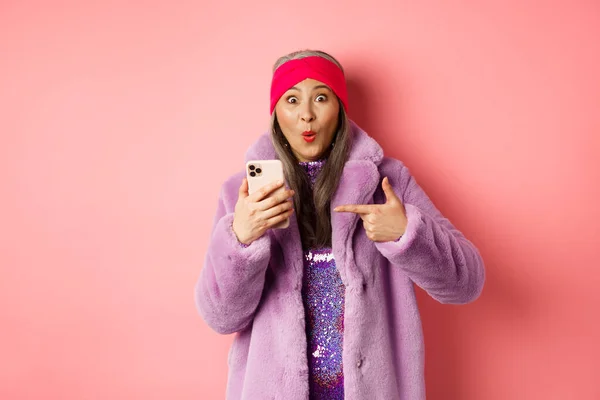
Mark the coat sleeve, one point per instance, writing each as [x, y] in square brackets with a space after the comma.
[432, 252]
[231, 282]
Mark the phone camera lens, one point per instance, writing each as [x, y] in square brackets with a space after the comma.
[251, 167]
[258, 170]
[252, 173]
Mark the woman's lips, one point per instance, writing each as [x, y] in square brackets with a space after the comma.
[309, 136]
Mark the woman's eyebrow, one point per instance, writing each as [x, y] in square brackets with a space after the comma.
[315, 88]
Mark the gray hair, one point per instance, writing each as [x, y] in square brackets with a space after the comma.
[296, 55]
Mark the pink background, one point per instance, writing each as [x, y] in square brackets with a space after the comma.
[119, 123]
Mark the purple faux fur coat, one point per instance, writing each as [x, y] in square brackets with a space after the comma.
[255, 292]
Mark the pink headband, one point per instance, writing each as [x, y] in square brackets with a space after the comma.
[314, 67]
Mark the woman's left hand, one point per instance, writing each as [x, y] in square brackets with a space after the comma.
[382, 222]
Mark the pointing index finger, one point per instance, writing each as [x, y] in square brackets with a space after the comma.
[355, 208]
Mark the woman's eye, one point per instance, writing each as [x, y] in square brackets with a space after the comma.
[292, 100]
[321, 97]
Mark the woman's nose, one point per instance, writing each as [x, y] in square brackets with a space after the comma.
[307, 114]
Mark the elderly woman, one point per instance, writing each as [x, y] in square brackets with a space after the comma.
[326, 308]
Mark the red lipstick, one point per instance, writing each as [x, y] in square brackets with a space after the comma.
[309, 136]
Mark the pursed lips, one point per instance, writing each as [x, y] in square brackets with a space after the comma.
[309, 136]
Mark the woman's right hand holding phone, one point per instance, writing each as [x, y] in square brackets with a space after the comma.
[255, 213]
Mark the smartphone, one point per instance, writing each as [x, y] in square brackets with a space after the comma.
[262, 172]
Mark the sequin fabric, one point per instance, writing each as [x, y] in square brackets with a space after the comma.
[323, 296]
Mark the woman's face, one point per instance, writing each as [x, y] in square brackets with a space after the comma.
[308, 116]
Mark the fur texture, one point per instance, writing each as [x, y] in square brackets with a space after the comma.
[255, 291]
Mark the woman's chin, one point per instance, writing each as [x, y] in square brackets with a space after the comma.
[313, 155]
